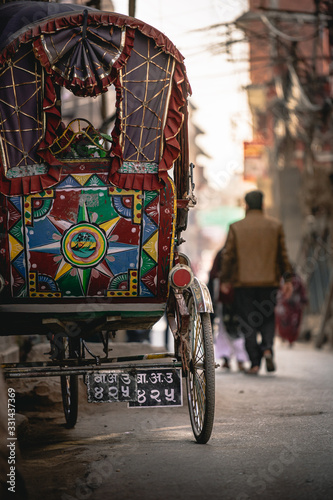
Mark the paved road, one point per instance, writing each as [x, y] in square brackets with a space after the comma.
[272, 439]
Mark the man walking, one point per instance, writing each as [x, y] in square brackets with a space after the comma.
[254, 261]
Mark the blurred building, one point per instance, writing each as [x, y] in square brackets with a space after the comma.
[291, 154]
[289, 97]
[195, 243]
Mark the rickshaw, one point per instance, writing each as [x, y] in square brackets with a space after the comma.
[91, 221]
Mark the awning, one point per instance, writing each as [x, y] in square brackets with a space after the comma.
[221, 216]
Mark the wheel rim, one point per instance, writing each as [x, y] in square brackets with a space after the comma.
[66, 382]
[196, 379]
[69, 387]
[66, 387]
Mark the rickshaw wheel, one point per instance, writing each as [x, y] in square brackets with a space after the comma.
[69, 386]
[200, 380]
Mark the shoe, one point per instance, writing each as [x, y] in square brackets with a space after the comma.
[226, 364]
[252, 371]
[241, 366]
[270, 366]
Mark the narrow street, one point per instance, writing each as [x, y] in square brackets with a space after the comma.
[272, 438]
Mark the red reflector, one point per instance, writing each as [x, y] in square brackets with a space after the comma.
[181, 277]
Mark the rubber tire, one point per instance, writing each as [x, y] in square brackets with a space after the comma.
[70, 398]
[202, 420]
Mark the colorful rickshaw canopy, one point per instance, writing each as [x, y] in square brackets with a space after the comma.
[86, 50]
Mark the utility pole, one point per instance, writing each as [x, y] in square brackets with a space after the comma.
[131, 8]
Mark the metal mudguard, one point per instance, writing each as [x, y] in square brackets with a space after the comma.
[201, 296]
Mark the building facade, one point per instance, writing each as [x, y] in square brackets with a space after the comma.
[291, 156]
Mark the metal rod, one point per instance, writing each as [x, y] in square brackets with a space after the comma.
[85, 362]
[57, 371]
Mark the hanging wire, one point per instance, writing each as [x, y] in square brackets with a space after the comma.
[279, 33]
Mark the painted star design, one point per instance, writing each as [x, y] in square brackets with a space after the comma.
[84, 248]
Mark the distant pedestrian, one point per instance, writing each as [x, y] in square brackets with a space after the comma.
[289, 311]
[254, 260]
[229, 342]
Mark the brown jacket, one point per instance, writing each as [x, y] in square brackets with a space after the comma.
[255, 252]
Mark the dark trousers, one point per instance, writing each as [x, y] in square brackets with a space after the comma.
[255, 310]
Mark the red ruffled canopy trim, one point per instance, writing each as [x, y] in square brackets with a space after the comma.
[53, 121]
[173, 124]
[29, 185]
[147, 182]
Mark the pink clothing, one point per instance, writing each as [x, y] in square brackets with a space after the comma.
[227, 346]
[289, 312]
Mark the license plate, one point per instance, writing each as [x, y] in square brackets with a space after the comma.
[150, 387]
[158, 387]
[108, 387]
